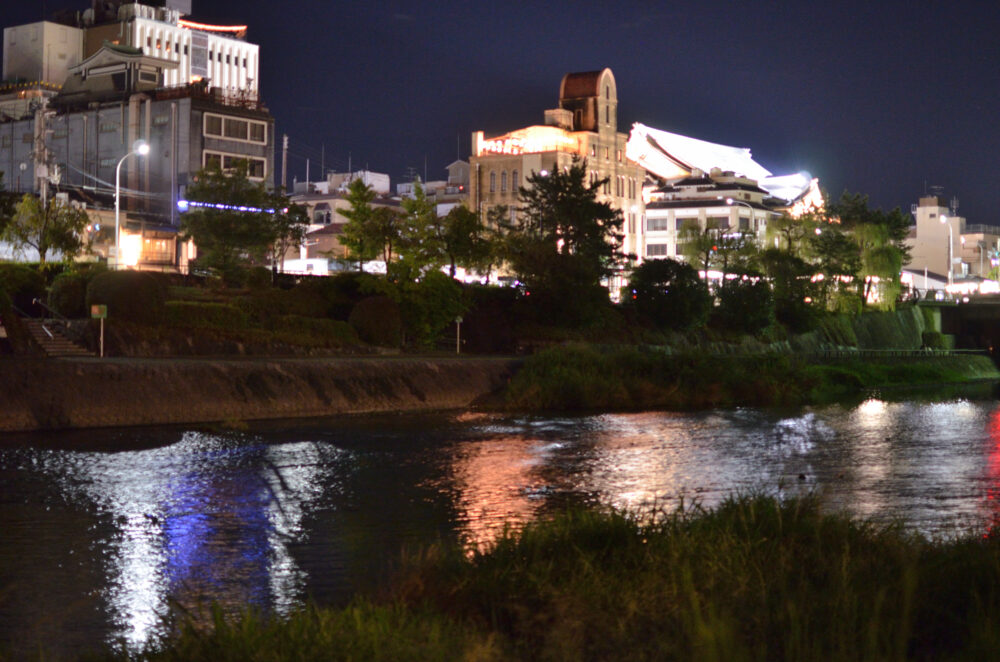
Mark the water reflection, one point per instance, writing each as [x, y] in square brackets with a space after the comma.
[205, 520]
[97, 545]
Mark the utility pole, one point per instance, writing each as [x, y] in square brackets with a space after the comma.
[284, 162]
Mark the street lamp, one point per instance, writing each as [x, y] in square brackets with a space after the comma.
[140, 147]
[951, 242]
[753, 215]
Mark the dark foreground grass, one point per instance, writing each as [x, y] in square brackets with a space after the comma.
[587, 378]
[754, 579]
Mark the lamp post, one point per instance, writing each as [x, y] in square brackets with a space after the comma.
[951, 243]
[140, 147]
[753, 215]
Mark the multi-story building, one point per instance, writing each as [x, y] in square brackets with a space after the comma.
[940, 235]
[720, 201]
[584, 126]
[74, 140]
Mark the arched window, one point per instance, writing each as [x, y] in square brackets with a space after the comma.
[607, 92]
[493, 182]
[514, 181]
[503, 181]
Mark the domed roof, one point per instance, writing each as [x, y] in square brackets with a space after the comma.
[584, 84]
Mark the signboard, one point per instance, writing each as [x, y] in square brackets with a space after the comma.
[98, 311]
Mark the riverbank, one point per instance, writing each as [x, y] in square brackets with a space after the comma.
[50, 394]
[755, 579]
[589, 378]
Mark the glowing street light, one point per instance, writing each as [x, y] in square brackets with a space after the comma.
[951, 241]
[141, 148]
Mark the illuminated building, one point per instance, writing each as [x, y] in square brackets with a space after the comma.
[71, 139]
[584, 126]
[974, 250]
[721, 201]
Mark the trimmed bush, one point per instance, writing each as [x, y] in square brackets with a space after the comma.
[341, 292]
[135, 296]
[339, 332]
[23, 284]
[68, 294]
[266, 305]
[198, 314]
[377, 321]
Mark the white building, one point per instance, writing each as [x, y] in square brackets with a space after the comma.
[217, 54]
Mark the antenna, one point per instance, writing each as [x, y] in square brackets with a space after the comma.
[954, 205]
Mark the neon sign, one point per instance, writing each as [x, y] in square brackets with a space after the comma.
[530, 141]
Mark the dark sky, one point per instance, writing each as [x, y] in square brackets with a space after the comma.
[884, 98]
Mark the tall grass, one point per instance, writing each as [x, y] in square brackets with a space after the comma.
[753, 579]
[583, 377]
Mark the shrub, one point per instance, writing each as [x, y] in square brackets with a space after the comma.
[340, 333]
[488, 325]
[23, 284]
[341, 292]
[198, 314]
[669, 294]
[258, 278]
[135, 296]
[936, 340]
[745, 306]
[68, 294]
[377, 321]
[266, 305]
[429, 306]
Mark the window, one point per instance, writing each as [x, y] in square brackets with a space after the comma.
[619, 156]
[656, 250]
[5, 141]
[147, 77]
[256, 167]
[656, 224]
[503, 181]
[27, 138]
[607, 91]
[149, 42]
[234, 129]
[109, 163]
[258, 132]
[593, 150]
[607, 153]
[607, 114]
[60, 133]
[160, 120]
[159, 44]
[185, 49]
[514, 181]
[213, 125]
[493, 182]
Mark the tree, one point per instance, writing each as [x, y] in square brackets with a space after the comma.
[669, 293]
[8, 201]
[881, 244]
[699, 246]
[239, 230]
[423, 245]
[746, 305]
[288, 228]
[358, 236]
[46, 227]
[465, 240]
[564, 242]
[838, 261]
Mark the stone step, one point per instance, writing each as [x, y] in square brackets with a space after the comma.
[57, 344]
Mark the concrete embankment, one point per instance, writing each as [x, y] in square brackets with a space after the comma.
[50, 394]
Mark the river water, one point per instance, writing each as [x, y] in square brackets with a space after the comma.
[103, 533]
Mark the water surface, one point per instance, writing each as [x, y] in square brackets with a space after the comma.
[103, 533]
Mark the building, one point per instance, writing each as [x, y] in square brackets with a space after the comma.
[73, 139]
[941, 235]
[719, 200]
[584, 126]
[212, 54]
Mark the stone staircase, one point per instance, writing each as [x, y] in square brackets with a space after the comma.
[51, 339]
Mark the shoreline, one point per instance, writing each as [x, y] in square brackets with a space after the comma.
[38, 394]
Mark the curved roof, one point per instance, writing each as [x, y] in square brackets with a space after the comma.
[583, 84]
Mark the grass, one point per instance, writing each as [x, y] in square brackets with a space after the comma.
[580, 377]
[753, 579]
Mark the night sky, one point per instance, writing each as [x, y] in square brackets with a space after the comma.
[883, 98]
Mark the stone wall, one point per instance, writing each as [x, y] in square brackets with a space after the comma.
[49, 394]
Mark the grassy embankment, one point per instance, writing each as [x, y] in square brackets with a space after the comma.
[754, 579]
[589, 378]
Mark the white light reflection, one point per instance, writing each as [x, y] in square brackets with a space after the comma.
[206, 520]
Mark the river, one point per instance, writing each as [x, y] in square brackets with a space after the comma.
[103, 532]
